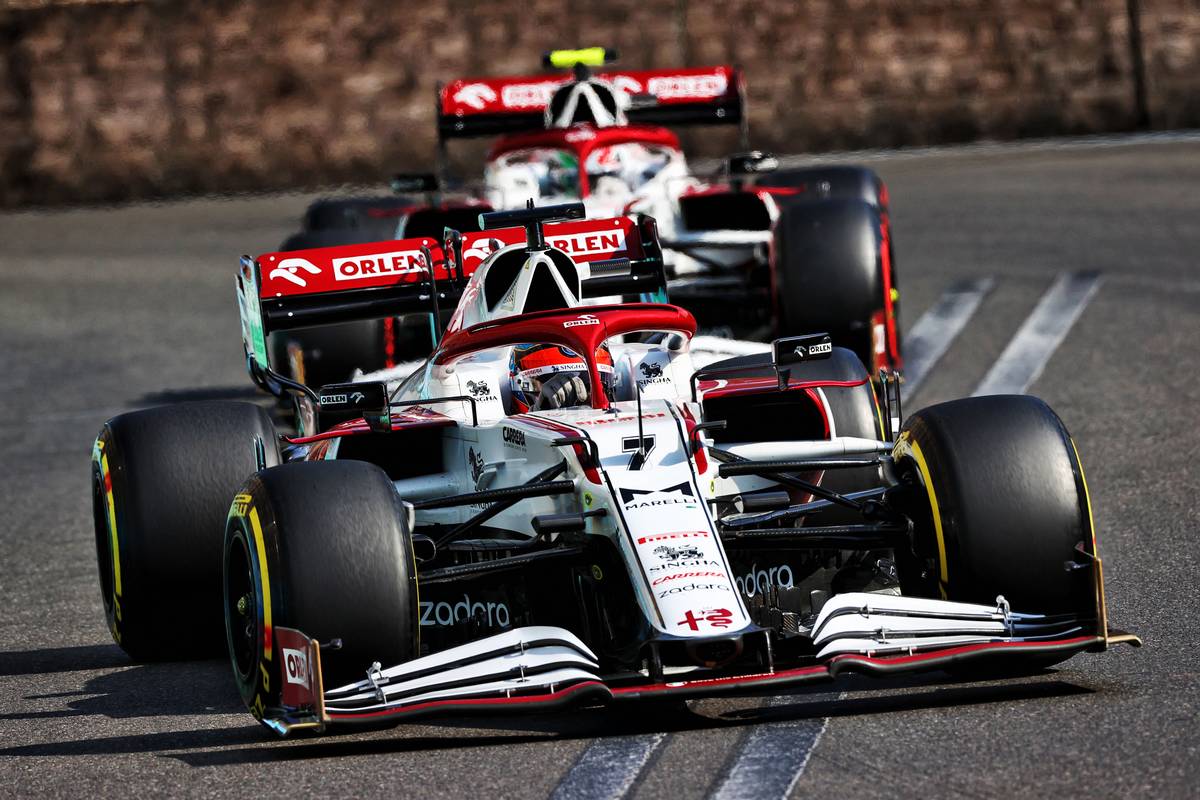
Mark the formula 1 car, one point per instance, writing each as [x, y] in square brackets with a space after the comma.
[753, 250]
[469, 539]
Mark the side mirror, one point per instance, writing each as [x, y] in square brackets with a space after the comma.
[755, 162]
[792, 350]
[404, 183]
[348, 400]
[642, 101]
[795, 349]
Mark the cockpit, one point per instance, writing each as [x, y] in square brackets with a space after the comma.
[605, 170]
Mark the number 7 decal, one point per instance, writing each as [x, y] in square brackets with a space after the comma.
[631, 444]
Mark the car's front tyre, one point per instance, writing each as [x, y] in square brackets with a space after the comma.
[1006, 510]
[324, 548]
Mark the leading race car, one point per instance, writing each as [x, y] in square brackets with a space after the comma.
[752, 251]
[560, 507]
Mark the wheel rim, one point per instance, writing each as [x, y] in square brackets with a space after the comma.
[241, 608]
[103, 543]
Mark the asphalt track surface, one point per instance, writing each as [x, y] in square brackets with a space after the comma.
[108, 309]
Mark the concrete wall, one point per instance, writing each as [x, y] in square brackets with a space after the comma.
[116, 100]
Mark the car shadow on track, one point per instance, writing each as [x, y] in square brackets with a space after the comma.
[62, 659]
[863, 699]
[140, 743]
[144, 690]
[193, 693]
[632, 719]
[433, 735]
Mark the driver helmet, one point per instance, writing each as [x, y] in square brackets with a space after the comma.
[548, 376]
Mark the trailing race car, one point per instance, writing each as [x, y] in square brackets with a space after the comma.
[756, 251]
[558, 507]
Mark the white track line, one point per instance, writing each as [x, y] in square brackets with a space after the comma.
[929, 339]
[1042, 332]
[774, 756]
[608, 767]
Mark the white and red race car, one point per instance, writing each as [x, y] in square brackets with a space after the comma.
[753, 252]
[473, 538]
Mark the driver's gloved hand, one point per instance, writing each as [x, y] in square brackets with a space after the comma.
[562, 391]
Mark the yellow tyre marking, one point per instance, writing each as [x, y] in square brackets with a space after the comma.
[296, 361]
[111, 507]
[110, 521]
[261, 549]
[1098, 583]
[907, 447]
[241, 502]
[1087, 498]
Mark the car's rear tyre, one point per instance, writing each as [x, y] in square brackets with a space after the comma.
[330, 354]
[1007, 505]
[325, 548]
[842, 181]
[828, 273]
[373, 217]
[162, 479]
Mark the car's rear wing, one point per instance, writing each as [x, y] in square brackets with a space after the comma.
[492, 106]
[329, 285]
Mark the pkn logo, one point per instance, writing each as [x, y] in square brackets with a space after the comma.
[475, 95]
[289, 268]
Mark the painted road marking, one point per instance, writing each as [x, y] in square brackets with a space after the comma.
[938, 327]
[774, 755]
[1040, 335]
[608, 767]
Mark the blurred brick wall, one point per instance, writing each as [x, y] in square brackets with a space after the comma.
[1170, 34]
[115, 100]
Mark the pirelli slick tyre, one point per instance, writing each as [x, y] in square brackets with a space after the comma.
[834, 181]
[330, 354]
[162, 479]
[1007, 505]
[828, 272]
[374, 217]
[322, 547]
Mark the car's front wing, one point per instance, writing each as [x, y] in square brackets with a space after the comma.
[540, 668]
